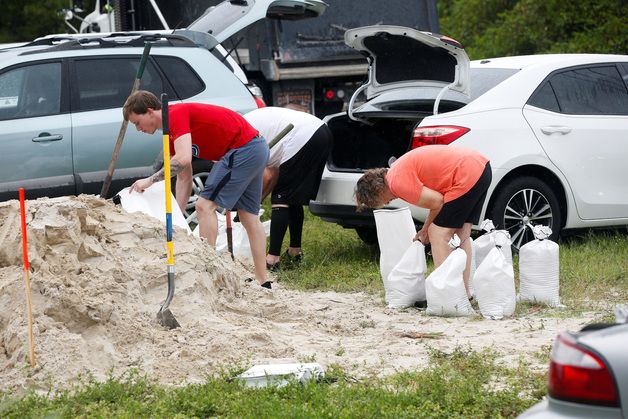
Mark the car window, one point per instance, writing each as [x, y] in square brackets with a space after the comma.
[623, 67]
[105, 83]
[484, 79]
[30, 91]
[596, 90]
[545, 98]
[181, 76]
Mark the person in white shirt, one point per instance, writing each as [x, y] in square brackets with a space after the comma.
[293, 173]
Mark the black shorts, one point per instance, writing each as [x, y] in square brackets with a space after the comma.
[300, 176]
[468, 207]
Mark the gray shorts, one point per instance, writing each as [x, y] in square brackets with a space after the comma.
[235, 181]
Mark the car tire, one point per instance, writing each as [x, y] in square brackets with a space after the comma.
[368, 235]
[522, 203]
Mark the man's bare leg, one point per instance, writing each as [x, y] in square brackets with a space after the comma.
[207, 220]
[257, 239]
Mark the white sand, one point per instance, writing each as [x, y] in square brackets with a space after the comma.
[98, 278]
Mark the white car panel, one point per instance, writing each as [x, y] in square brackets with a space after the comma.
[596, 176]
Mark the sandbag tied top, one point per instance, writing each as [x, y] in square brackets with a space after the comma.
[486, 242]
[541, 232]
[539, 269]
[444, 287]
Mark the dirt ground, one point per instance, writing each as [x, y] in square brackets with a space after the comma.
[98, 277]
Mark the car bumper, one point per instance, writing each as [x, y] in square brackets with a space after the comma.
[344, 215]
[550, 408]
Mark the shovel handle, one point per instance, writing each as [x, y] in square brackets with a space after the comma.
[279, 136]
[125, 123]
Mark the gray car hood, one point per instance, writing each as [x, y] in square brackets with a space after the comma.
[404, 57]
[231, 16]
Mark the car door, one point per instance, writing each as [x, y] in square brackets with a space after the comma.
[580, 117]
[35, 132]
[101, 86]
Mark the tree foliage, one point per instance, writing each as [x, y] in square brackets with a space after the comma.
[25, 20]
[490, 28]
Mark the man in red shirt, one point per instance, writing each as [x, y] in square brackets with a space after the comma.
[451, 182]
[215, 133]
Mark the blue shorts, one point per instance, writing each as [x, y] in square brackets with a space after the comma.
[235, 181]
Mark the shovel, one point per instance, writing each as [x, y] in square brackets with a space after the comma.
[116, 148]
[165, 316]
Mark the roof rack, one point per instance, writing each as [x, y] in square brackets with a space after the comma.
[111, 40]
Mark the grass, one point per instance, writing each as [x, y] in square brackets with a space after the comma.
[463, 383]
[593, 266]
[450, 387]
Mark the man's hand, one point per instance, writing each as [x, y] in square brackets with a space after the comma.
[422, 236]
[141, 185]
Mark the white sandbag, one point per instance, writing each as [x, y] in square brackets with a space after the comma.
[153, 202]
[405, 284]
[494, 283]
[539, 269]
[472, 268]
[486, 242]
[241, 244]
[444, 287]
[395, 231]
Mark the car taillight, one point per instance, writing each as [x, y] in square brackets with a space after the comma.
[441, 134]
[578, 375]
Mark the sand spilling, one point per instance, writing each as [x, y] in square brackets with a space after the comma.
[99, 276]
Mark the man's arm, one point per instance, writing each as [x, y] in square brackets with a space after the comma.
[271, 175]
[181, 162]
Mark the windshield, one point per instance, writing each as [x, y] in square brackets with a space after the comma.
[421, 99]
[222, 16]
[484, 79]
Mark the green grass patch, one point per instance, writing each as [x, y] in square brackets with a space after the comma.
[459, 384]
[593, 267]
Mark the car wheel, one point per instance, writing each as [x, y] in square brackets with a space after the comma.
[368, 235]
[522, 203]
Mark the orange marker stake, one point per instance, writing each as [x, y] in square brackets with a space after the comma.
[29, 304]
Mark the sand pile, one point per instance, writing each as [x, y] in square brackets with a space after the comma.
[99, 276]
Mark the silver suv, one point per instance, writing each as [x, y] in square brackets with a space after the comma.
[61, 105]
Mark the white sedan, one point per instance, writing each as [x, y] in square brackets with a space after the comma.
[555, 128]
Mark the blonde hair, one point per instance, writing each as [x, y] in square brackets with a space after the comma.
[369, 189]
[139, 102]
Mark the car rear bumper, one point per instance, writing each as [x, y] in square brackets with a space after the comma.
[550, 408]
[344, 215]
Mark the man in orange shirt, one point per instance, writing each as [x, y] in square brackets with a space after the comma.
[451, 182]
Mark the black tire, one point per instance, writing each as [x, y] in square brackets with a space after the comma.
[368, 235]
[523, 202]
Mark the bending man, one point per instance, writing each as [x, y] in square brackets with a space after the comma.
[293, 173]
[211, 133]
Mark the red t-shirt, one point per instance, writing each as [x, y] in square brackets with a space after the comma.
[452, 171]
[215, 130]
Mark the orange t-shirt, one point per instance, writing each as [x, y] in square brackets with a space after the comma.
[452, 171]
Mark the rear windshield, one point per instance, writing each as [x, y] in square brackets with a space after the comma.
[484, 79]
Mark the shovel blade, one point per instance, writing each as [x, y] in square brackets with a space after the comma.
[167, 319]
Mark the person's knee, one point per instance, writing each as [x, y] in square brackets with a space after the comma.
[248, 219]
[205, 206]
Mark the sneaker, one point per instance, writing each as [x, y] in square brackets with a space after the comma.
[273, 267]
[294, 259]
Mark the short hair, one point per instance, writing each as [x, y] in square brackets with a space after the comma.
[369, 189]
[139, 102]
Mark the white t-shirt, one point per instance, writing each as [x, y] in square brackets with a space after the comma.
[270, 121]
